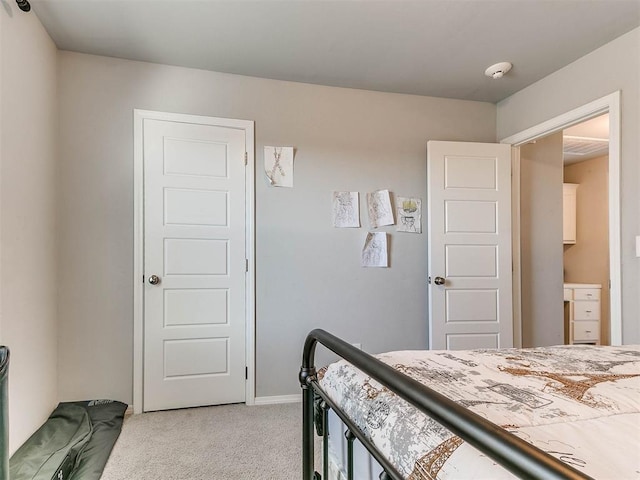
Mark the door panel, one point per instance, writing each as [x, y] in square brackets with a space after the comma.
[197, 356]
[470, 245]
[191, 256]
[470, 341]
[470, 217]
[192, 157]
[470, 261]
[469, 172]
[195, 207]
[196, 306]
[194, 228]
[471, 305]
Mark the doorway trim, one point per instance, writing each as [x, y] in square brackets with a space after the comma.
[608, 104]
[138, 242]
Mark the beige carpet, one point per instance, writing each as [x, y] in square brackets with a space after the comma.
[230, 442]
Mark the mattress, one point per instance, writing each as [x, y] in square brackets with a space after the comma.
[580, 404]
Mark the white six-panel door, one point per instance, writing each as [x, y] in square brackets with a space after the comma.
[470, 290]
[194, 264]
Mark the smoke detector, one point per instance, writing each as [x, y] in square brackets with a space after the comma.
[498, 70]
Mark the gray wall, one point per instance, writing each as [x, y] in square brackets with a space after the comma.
[308, 273]
[28, 136]
[541, 241]
[577, 84]
[588, 260]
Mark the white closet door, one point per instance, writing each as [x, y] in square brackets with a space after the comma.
[194, 262]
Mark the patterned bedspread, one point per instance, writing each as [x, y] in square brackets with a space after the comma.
[580, 404]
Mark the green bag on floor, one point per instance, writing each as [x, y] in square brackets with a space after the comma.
[51, 452]
[4, 424]
[73, 444]
[106, 423]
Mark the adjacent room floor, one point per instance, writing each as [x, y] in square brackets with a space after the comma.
[229, 442]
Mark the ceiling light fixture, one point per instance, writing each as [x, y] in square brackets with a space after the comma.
[498, 70]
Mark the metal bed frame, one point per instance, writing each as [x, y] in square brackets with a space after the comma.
[516, 455]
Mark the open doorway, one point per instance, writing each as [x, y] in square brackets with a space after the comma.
[564, 228]
[585, 232]
[538, 296]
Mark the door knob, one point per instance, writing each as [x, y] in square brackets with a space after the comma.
[438, 281]
[154, 280]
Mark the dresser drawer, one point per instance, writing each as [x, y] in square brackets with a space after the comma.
[586, 331]
[586, 310]
[586, 294]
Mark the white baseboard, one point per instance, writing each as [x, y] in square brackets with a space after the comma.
[275, 399]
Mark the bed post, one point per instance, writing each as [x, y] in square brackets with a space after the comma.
[307, 375]
[324, 408]
[350, 438]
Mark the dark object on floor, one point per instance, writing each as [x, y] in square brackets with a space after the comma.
[73, 444]
[4, 421]
[106, 419]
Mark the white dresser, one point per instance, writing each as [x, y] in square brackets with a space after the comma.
[584, 312]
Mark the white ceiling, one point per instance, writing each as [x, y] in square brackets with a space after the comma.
[430, 47]
[586, 140]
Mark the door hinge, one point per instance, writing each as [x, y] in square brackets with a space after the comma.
[246, 264]
[246, 158]
[246, 373]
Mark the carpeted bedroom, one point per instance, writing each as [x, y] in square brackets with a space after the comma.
[228, 442]
[194, 194]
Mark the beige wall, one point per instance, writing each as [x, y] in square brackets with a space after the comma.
[28, 137]
[308, 272]
[588, 260]
[577, 84]
[541, 241]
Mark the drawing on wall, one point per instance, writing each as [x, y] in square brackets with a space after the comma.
[346, 210]
[374, 252]
[379, 207]
[409, 215]
[278, 165]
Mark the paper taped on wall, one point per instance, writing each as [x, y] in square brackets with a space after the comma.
[409, 215]
[278, 166]
[374, 253]
[346, 210]
[379, 207]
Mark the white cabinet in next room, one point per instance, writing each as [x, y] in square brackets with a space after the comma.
[584, 312]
